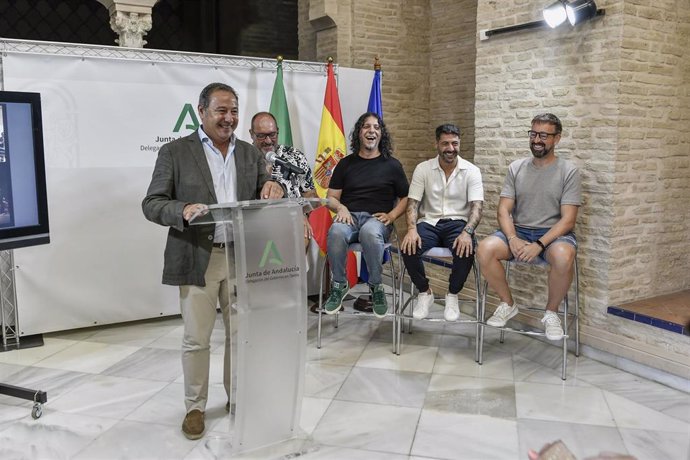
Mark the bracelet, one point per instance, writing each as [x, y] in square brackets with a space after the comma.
[541, 245]
[511, 238]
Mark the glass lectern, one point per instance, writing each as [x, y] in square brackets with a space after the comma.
[268, 357]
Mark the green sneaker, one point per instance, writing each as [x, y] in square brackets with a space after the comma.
[378, 297]
[334, 303]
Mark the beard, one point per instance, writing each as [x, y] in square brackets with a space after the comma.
[449, 157]
[370, 144]
[539, 153]
[268, 148]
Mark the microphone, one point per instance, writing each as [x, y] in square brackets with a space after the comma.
[287, 167]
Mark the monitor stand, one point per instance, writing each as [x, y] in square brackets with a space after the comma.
[9, 331]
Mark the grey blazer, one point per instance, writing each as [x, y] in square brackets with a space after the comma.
[182, 176]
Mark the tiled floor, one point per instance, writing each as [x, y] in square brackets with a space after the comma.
[116, 393]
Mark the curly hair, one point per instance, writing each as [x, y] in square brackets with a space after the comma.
[386, 144]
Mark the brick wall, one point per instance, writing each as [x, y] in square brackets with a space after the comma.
[399, 35]
[652, 188]
[427, 50]
[620, 86]
[272, 31]
[453, 54]
[568, 72]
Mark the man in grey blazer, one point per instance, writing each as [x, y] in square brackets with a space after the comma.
[209, 166]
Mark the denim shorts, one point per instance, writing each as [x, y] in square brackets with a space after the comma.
[533, 234]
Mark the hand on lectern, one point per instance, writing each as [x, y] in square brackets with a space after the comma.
[272, 190]
[192, 211]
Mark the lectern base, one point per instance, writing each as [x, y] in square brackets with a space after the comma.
[219, 447]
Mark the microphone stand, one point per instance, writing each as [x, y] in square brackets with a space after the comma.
[289, 175]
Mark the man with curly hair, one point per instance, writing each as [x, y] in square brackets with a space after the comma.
[368, 191]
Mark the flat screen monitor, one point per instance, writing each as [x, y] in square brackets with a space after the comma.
[23, 201]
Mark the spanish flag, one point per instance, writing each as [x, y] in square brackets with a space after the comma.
[331, 148]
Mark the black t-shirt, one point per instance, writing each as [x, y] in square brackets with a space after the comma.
[369, 185]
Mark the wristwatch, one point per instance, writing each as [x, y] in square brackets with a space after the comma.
[468, 229]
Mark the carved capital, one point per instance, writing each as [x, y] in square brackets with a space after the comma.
[131, 27]
[131, 6]
[322, 14]
[130, 19]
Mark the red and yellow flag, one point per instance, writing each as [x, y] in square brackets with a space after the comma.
[331, 148]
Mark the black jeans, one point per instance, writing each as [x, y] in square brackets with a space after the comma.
[443, 234]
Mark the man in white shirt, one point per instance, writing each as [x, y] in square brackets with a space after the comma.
[443, 209]
[209, 166]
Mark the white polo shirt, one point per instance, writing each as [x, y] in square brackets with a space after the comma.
[442, 198]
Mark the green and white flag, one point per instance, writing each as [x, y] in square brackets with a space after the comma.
[279, 107]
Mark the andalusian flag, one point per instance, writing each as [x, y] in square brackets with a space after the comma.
[279, 107]
[331, 148]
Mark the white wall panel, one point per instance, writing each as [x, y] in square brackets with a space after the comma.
[103, 120]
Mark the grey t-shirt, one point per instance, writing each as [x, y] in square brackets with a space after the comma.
[540, 192]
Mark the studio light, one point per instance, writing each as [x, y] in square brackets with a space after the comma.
[555, 14]
[575, 11]
[578, 11]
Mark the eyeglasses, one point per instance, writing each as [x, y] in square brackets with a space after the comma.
[262, 136]
[542, 136]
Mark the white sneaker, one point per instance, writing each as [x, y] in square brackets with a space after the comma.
[502, 314]
[552, 326]
[452, 311]
[421, 306]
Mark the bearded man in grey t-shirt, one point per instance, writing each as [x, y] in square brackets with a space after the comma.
[536, 214]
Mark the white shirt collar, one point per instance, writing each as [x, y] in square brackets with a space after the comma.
[459, 165]
[205, 139]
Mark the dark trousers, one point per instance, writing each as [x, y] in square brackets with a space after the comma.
[443, 234]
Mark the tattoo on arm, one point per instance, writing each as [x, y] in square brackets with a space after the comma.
[411, 213]
[475, 213]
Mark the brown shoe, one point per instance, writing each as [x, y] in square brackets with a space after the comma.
[193, 424]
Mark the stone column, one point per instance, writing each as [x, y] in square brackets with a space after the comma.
[329, 25]
[130, 19]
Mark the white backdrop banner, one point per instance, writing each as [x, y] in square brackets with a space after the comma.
[104, 121]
